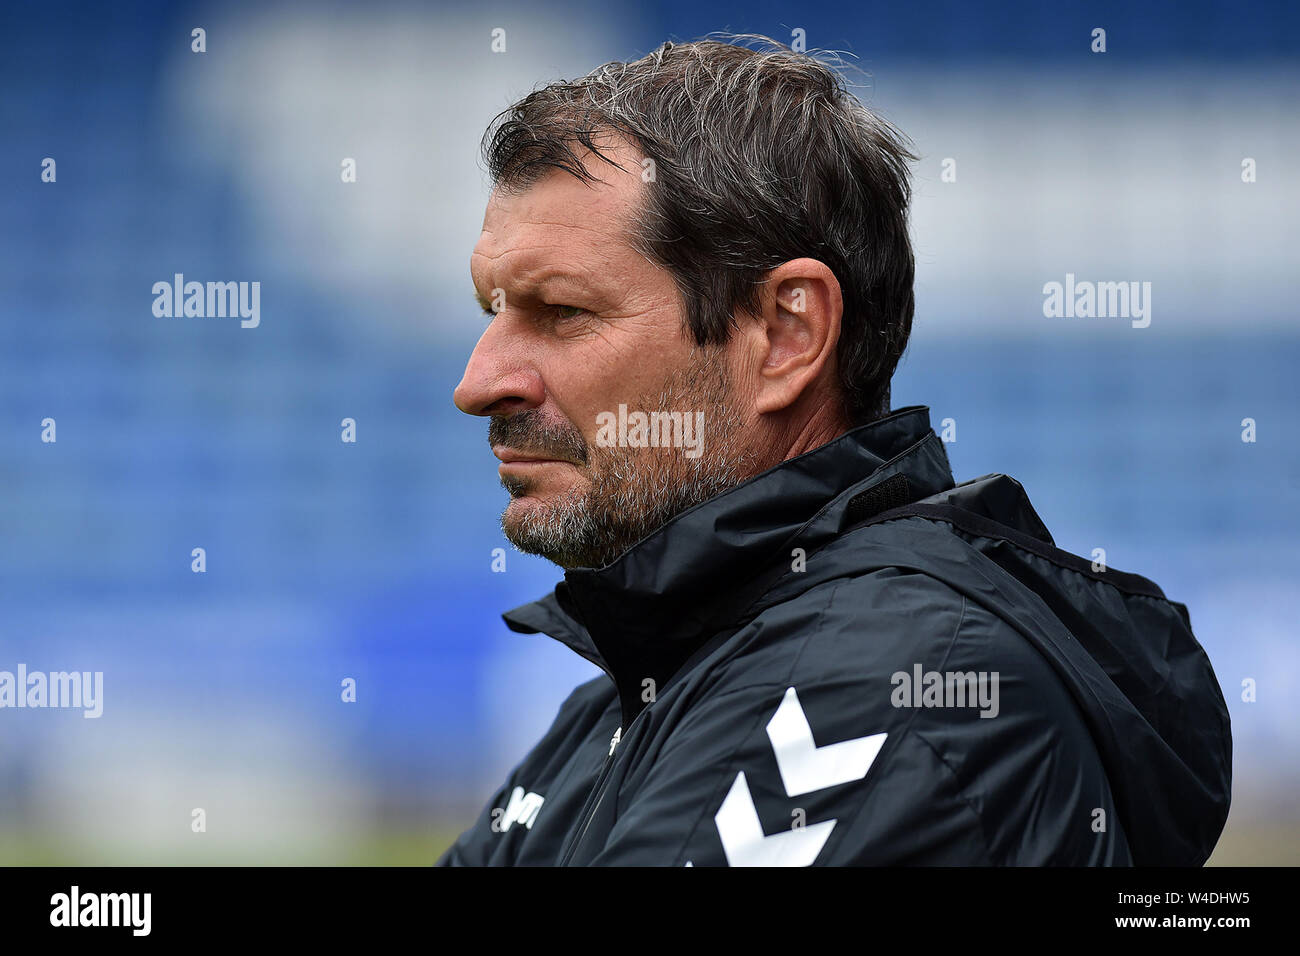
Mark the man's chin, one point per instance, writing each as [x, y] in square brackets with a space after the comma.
[529, 523]
[560, 529]
[514, 520]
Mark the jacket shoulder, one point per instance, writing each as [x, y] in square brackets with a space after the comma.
[939, 717]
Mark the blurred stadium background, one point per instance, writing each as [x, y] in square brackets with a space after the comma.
[372, 560]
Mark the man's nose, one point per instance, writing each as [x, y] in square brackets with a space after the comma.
[499, 378]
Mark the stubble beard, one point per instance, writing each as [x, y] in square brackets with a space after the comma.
[627, 493]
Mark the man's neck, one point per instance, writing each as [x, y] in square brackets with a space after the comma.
[813, 432]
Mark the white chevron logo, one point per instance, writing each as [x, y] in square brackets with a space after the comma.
[743, 840]
[804, 767]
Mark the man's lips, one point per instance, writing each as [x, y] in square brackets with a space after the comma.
[510, 457]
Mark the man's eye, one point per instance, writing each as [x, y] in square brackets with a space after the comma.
[485, 305]
[566, 311]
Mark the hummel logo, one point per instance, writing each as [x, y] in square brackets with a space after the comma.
[804, 767]
[522, 809]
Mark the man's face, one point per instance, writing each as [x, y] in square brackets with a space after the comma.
[585, 324]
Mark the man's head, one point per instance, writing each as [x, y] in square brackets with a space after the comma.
[713, 233]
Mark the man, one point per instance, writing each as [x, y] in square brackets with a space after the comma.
[817, 648]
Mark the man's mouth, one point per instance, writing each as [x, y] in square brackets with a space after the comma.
[518, 459]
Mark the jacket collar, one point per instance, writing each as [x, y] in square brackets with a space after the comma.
[706, 571]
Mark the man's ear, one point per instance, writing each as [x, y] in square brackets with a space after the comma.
[800, 309]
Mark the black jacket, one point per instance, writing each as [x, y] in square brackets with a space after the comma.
[850, 660]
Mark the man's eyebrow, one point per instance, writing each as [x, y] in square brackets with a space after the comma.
[534, 287]
[585, 282]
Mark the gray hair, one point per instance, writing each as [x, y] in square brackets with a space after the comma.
[760, 156]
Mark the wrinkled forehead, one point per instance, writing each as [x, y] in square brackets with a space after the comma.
[563, 218]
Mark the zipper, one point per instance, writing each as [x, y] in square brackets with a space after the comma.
[596, 790]
[597, 795]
